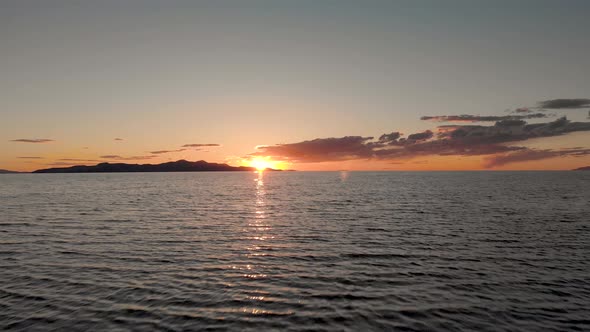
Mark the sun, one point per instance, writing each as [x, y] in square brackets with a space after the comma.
[262, 163]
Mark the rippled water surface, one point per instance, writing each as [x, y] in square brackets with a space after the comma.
[482, 251]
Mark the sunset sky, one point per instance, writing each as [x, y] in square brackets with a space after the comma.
[316, 85]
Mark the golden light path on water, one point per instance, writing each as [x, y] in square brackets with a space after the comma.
[257, 232]
[259, 226]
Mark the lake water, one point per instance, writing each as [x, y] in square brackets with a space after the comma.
[358, 251]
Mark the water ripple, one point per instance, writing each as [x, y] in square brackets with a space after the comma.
[484, 251]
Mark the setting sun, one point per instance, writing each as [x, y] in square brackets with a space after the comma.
[262, 163]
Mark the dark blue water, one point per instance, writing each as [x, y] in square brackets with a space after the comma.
[457, 251]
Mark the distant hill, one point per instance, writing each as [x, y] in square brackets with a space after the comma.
[175, 166]
[4, 171]
[587, 168]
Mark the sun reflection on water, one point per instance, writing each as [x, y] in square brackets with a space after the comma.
[259, 225]
[258, 235]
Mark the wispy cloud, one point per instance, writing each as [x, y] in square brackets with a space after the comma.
[554, 104]
[531, 155]
[30, 157]
[197, 145]
[66, 163]
[522, 110]
[166, 151]
[118, 139]
[121, 158]
[78, 160]
[565, 103]
[33, 140]
[484, 118]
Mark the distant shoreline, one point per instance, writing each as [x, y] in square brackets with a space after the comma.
[310, 171]
[203, 166]
[176, 166]
[5, 171]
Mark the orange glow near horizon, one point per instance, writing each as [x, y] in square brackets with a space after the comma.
[262, 163]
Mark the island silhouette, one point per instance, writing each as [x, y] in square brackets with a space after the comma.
[174, 166]
[5, 171]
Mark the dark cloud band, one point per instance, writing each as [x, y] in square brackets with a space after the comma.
[565, 103]
[200, 145]
[33, 140]
[166, 151]
[117, 157]
[451, 140]
[479, 118]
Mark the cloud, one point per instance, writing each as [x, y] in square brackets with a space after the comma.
[117, 157]
[523, 110]
[33, 140]
[73, 162]
[320, 149]
[450, 140]
[390, 138]
[565, 103]
[417, 162]
[30, 157]
[395, 139]
[510, 123]
[199, 145]
[63, 163]
[80, 160]
[443, 147]
[484, 118]
[471, 140]
[166, 151]
[532, 154]
[512, 131]
[420, 136]
[118, 139]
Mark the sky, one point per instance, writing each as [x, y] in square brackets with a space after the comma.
[306, 85]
